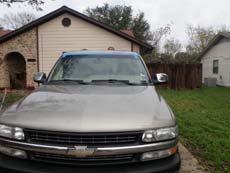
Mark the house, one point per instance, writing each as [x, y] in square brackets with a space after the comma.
[3, 32]
[215, 60]
[37, 45]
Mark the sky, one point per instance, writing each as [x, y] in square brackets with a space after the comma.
[159, 13]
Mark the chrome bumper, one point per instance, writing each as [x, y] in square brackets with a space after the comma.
[84, 151]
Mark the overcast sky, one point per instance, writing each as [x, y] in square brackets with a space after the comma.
[158, 12]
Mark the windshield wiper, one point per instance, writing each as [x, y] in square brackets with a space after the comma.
[111, 81]
[70, 80]
[120, 81]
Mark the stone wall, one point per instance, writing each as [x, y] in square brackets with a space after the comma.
[26, 45]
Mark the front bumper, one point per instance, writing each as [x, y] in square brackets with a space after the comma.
[13, 165]
[166, 165]
[83, 151]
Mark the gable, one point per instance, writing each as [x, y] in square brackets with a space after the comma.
[63, 10]
[219, 38]
[80, 31]
[221, 49]
[54, 39]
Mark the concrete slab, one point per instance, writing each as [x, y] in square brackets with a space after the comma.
[189, 162]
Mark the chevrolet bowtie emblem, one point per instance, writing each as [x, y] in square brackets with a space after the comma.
[81, 151]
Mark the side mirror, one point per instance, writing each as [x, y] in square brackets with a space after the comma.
[160, 78]
[39, 77]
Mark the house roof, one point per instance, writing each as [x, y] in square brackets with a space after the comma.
[4, 32]
[128, 31]
[63, 10]
[118, 53]
[214, 41]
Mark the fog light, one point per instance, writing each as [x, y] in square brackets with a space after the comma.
[13, 152]
[153, 155]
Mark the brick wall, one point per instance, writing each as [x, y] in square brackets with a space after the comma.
[26, 45]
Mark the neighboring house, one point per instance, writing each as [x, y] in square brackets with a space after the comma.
[37, 45]
[216, 60]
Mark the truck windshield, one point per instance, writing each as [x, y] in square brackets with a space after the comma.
[100, 68]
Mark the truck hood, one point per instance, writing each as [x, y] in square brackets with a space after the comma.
[90, 108]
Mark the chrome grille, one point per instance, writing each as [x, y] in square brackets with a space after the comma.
[89, 139]
[63, 159]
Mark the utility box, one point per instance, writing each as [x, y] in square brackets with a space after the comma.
[210, 82]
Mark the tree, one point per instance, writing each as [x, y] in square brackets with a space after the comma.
[199, 37]
[152, 57]
[156, 38]
[121, 17]
[158, 34]
[13, 21]
[172, 46]
[118, 16]
[34, 3]
[183, 57]
[141, 28]
[166, 58]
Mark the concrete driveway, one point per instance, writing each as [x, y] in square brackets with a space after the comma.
[189, 162]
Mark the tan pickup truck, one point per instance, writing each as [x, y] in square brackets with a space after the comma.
[95, 112]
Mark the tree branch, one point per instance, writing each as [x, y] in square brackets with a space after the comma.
[34, 3]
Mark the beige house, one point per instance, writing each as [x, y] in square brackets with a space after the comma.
[37, 45]
[215, 60]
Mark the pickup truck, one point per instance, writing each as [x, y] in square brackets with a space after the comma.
[97, 111]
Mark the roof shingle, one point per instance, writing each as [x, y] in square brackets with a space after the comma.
[4, 32]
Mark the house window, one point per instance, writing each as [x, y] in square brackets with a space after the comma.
[31, 60]
[215, 66]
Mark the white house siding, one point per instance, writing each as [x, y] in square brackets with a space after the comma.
[54, 38]
[221, 52]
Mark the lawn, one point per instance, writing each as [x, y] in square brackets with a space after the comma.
[11, 98]
[203, 116]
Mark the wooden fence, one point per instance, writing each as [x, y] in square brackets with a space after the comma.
[181, 76]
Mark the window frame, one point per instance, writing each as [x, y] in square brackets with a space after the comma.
[215, 66]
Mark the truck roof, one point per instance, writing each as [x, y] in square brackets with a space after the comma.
[65, 54]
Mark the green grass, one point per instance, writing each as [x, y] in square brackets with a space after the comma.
[11, 98]
[203, 116]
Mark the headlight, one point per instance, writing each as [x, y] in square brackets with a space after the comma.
[11, 132]
[160, 134]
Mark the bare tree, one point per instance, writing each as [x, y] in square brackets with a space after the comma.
[159, 33]
[199, 37]
[156, 39]
[34, 3]
[172, 46]
[14, 21]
